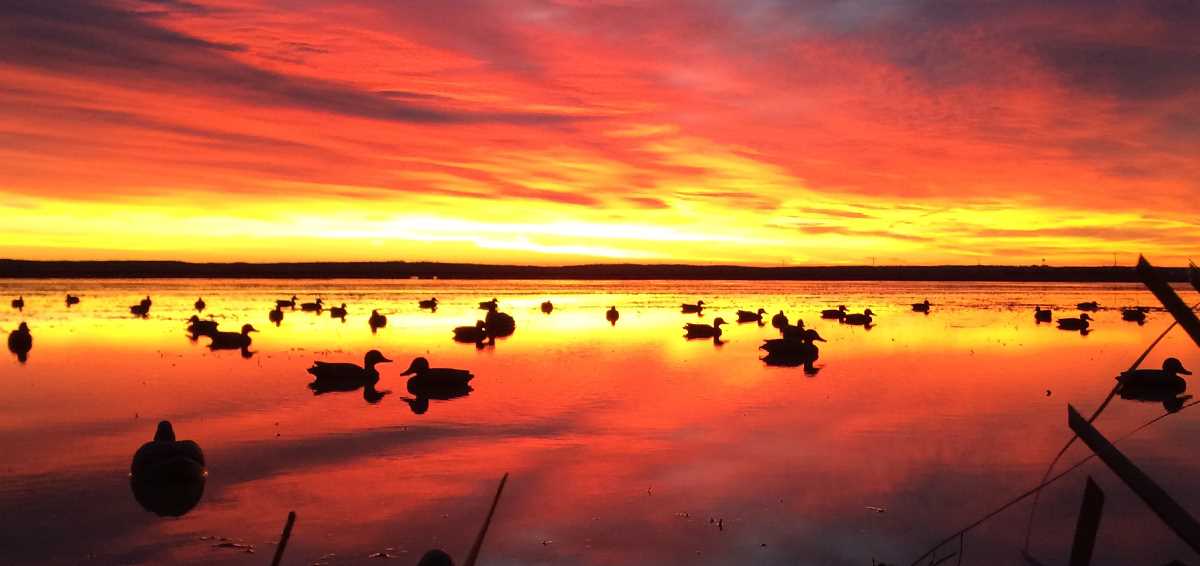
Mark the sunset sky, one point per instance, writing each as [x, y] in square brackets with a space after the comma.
[764, 132]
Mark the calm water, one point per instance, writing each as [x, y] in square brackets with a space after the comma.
[626, 443]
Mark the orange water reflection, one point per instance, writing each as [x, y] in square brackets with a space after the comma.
[623, 441]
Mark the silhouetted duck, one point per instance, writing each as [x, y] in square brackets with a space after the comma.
[779, 320]
[315, 306]
[199, 304]
[146, 302]
[141, 309]
[793, 331]
[1080, 323]
[200, 327]
[696, 308]
[863, 319]
[921, 307]
[801, 346]
[499, 324]
[286, 303]
[377, 320]
[232, 340]
[838, 313]
[341, 376]
[1166, 379]
[695, 330]
[20, 342]
[750, 316]
[168, 475]
[547, 307]
[471, 334]
[19, 303]
[612, 315]
[431, 304]
[489, 305]
[429, 380]
[72, 300]
[1134, 314]
[1042, 315]
[1089, 306]
[338, 312]
[276, 315]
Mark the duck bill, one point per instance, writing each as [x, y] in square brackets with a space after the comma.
[410, 371]
[1184, 371]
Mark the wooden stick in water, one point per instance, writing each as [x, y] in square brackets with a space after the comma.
[474, 553]
[283, 539]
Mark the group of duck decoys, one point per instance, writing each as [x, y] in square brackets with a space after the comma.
[425, 383]
[1082, 323]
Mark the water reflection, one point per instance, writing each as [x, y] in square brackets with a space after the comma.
[167, 476]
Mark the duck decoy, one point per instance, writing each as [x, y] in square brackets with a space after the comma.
[690, 308]
[547, 307]
[1080, 323]
[779, 320]
[489, 305]
[232, 340]
[276, 316]
[19, 303]
[499, 324]
[429, 381]
[315, 306]
[471, 334]
[1042, 315]
[838, 313]
[167, 475]
[344, 377]
[199, 304]
[612, 315]
[1165, 380]
[696, 330]
[1091, 306]
[921, 307]
[20, 342]
[751, 316]
[199, 327]
[377, 320]
[146, 302]
[141, 309]
[1134, 314]
[431, 303]
[338, 312]
[863, 319]
[286, 303]
[800, 346]
[72, 300]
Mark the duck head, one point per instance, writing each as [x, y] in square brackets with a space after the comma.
[842, 308]
[718, 322]
[247, 328]
[165, 432]
[194, 319]
[1084, 316]
[762, 311]
[480, 324]
[319, 301]
[812, 336]
[23, 328]
[1174, 366]
[418, 365]
[374, 357]
[699, 303]
[868, 312]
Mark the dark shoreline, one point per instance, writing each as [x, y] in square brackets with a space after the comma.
[25, 269]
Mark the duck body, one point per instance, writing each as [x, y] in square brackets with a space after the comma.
[377, 320]
[431, 303]
[692, 308]
[921, 307]
[232, 340]
[315, 306]
[547, 307]
[471, 334]
[18, 303]
[1080, 323]
[201, 327]
[1042, 315]
[338, 312]
[199, 304]
[838, 313]
[695, 330]
[793, 349]
[72, 300]
[1090, 306]
[276, 315]
[751, 316]
[1165, 380]
[612, 315]
[499, 324]
[779, 320]
[286, 303]
[165, 458]
[433, 382]
[859, 319]
[141, 310]
[1135, 314]
[20, 341]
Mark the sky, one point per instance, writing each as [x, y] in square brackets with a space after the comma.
[757, 132]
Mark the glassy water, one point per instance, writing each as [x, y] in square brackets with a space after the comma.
[626, 443]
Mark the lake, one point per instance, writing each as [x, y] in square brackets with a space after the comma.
[626, 443]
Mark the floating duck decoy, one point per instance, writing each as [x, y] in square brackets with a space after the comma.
[498, 324]
[430, 382]
[863, 319]
[141, 309]
[1042, 315]
[329, 377]
[696, 330]
[1080, 323]
[921, 307]
[338, 312]
[167, 475]
[431, 303]
[232, 340]
[801, 346]
[612, 315]
[471, 334]
[489, 305]
[690, 308]
[199, 327]
[276, 316]
[750, 316]
[72, 300]
[19, 303]
[199, 304]
[838, 313]
[779, 320]
[1089, 306]
[1134, 314]
[1145, 382]
[377, 320]
[547, 307]
[20, 342]
[286, 303]
[315, 306]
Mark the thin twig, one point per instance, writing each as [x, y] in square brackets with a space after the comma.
[474, 553]
[283, 539]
